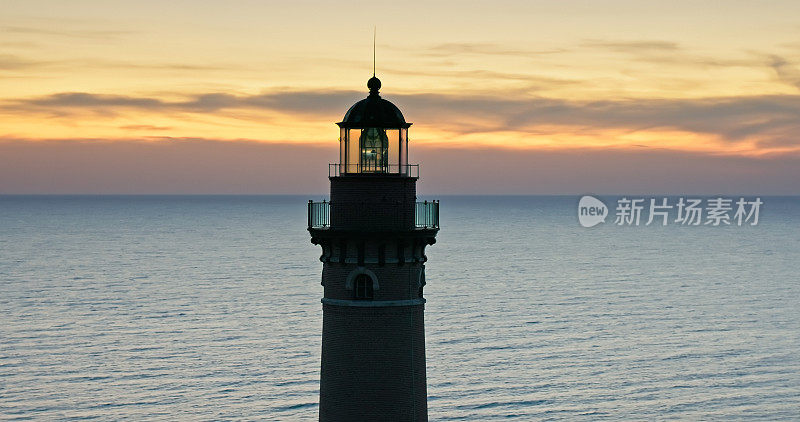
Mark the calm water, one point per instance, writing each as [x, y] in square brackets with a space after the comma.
[204, 308]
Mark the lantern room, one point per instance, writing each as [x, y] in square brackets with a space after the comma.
[373, 137]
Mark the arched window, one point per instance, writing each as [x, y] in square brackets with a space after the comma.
[362, 287]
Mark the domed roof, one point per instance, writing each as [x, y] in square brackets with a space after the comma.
[374, 111]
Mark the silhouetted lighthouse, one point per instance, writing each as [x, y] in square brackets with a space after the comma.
[373, 234]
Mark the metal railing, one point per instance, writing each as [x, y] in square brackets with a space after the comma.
[319, 214]
[426, 215]
[407, 170]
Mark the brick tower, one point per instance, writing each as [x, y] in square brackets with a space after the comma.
[373, 234]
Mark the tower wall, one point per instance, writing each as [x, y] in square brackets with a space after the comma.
[373, 351]
[373, 364]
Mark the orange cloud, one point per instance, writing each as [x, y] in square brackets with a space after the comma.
[723, 125]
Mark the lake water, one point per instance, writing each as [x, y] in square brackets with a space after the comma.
[207, 308]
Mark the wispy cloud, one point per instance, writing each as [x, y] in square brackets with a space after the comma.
[297, 102]
[651, 51]
[86, 100]
[14, 62]
[145, 127]
[633, 46]
[769, 118]
[760, 118]
[70, 33]
[671, 53]
[785, 71]
[452, 49]
[533, 81]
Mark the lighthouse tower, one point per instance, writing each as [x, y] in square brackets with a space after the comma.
[373, 234]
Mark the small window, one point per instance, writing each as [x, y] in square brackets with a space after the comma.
[362, 287]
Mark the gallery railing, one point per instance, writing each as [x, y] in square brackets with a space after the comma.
[319, 214]
[406, 170]
[426, 215]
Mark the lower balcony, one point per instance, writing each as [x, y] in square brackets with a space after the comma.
[426, 214]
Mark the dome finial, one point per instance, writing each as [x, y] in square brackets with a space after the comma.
[374, 84]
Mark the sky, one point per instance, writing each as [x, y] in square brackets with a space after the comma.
[506, 97]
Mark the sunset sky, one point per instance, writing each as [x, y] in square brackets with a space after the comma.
[529, 97]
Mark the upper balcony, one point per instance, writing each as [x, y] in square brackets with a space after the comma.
[400, 170]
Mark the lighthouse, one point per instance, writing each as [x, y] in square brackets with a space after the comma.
[373, 233]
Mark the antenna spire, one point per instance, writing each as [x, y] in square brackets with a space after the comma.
[374, 84]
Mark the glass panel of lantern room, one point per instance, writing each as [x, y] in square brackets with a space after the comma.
[342, 150]
[403, 151]
[374, 150]
[353, 153]
[393, 155]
